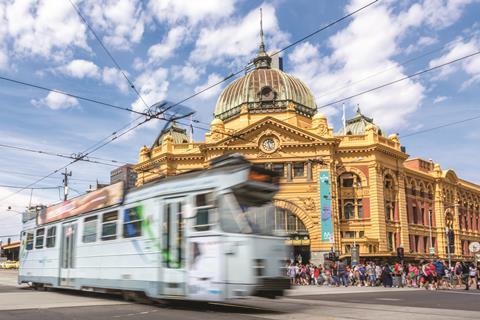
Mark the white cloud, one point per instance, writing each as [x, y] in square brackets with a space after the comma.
[3, 38]
[439, 99]
[458, 49]
[122, 21]
[165, 49]
[357, 51]
[192, 12]
[80, 68]
[56, 101]
[421, 43]
[114, 77]
[214, 91]
[238, 37]
[50, 29]
[187, 73]
[153, 86]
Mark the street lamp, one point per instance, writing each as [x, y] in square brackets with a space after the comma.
[432, 251]
[447, 233]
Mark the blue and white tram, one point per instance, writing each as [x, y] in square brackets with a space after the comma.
[203, 235]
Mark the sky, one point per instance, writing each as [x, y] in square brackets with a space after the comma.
[171, 49]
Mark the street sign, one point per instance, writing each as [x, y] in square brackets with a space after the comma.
[474, 247]
[432, 250]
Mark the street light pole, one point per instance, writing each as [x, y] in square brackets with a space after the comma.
[430, 228]
[447, 232]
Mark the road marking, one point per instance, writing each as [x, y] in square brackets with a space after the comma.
[388, 299]
[461, 292]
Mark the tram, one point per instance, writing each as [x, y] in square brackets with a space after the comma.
[203, 235]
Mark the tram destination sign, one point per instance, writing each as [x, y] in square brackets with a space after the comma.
[98, 199]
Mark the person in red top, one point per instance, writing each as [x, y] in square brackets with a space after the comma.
[316, 274]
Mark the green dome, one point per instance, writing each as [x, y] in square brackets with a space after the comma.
[265, 90]
[357, 125]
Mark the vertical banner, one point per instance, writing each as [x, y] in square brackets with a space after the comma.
[325, 206]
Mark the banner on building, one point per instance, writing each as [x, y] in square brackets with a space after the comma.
[101, 198]
[325, 206]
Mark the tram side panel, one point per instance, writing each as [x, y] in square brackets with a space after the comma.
[129, 260]
[39, 256]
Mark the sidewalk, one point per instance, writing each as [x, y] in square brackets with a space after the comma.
[314, 290]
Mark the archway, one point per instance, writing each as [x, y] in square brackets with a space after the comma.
[293, 221]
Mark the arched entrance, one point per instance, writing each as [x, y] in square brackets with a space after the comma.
[287, 219]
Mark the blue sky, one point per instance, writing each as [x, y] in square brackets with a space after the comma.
[171, 49]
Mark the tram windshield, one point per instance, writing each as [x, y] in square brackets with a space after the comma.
[242, 214]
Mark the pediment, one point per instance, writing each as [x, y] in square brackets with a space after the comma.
[285, 134]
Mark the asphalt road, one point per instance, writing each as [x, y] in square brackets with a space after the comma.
[439, 299]
[306, 303]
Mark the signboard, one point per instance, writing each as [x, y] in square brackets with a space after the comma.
[355, 255]
[101, 198]
[325, 206]
[432, 251]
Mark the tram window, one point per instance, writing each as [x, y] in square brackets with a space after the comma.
[29, 245]
[109, 226]
[204, 210]
[39, 238]
[132, 222]
[90, 229]
[51, 236]
[172, 235]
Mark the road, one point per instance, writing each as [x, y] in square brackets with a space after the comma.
[20, 302]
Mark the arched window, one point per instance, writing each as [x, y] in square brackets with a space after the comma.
[350, 201]
[390, 197]
[286, 221]
[349, 210]
[350, 180]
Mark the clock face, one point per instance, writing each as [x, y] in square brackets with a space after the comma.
[268, 144]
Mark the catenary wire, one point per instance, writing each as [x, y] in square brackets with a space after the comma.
[114, 136]
[108, 53]
[347, 85]
[399, 80]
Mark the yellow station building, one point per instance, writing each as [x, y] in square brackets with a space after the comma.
[356, 187]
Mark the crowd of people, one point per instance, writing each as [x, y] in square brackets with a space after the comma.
[433, 274]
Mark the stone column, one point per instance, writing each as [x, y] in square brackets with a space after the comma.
[377, 207]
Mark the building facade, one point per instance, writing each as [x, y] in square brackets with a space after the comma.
[125, 173]
[354, 188]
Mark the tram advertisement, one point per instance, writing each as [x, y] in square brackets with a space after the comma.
[101, 198]
[204, 272]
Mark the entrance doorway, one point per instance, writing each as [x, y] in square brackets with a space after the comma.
[299, 240]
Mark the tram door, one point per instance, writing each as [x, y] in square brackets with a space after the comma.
[173, 247]
[67, 254]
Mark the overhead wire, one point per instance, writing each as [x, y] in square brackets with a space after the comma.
[149, 117]
[399, 80]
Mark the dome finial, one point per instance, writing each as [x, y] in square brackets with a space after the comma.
[262, 60]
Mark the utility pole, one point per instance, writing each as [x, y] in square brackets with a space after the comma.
[66, 174]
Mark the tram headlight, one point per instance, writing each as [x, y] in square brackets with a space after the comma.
[259, 267]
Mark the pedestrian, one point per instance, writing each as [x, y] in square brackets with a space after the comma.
[473, 276]
[291, 272]
[371, 274]
[387, 276]
[465, 274]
